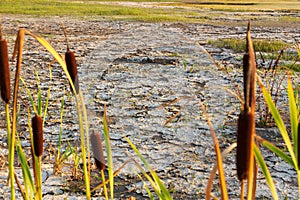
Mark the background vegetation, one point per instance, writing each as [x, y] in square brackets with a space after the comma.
[158, 10]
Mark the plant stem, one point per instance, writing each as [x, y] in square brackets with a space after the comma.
[109, 153]
[82, 143]
[218, 154]
[20, 42]
[38, 172]
[86, 133]
[10, 152]
[298, 174]
[104, 184]
[251, 168]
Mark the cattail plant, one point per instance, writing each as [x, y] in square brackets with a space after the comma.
[5, 95]
[37, 150]
[246, 121]
[71, 65]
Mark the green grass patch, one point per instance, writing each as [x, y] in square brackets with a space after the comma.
[239, 45]
[159, 10]
[270, 49]
[233, 6]
[42, 8]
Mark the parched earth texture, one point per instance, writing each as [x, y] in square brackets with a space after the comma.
[152, 77]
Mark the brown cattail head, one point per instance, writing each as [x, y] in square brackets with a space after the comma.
[37, 129]
[4, 72]
[246, 127]
[72, 68]
[97, 150]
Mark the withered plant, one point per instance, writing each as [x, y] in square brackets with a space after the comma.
[246, 120]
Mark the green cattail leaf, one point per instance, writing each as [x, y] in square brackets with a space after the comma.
[54, 53]
[150, 195]
[48, 96]
[279, 122]
[39, 103]
[157, 184]
[29, 95]
[149, 178]
[164, 191]
[109, 154]
[60, 126]
[28, 181]
[67, 153]
[278, 152]
[265, 171]
[293, 116]
[39, 93]
[297, 143]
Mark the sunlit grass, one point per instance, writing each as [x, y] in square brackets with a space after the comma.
[270, 50]
[155, 11]
[231, 5]
[76, 9]
[238, 45]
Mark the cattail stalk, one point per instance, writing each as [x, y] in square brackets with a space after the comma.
[5, 95]
[37, 150]
[246, 121]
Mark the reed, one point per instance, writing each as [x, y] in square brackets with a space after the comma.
[5, 95]
[246, 121]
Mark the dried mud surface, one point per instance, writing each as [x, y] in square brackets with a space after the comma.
[147, 73]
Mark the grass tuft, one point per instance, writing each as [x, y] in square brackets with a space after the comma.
[259, 45]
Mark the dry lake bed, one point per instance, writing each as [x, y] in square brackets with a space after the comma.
[146, 73]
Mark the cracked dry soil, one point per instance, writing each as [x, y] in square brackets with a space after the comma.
[147, 73]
